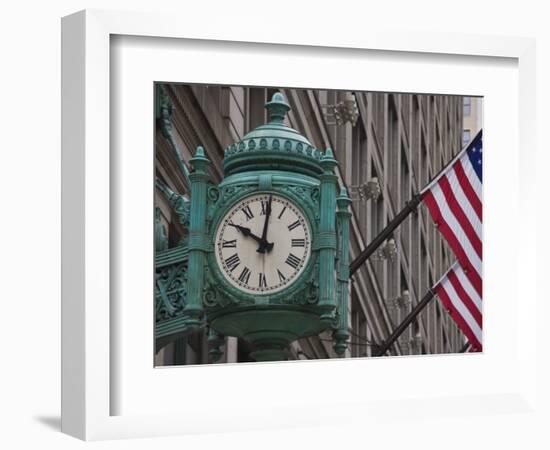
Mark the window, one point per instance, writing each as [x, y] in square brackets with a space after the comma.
[466, 136]
[393, 143]
[405, 197]
[424, 175]
[256, 111]
[467, 106]
[423, 267]
[359, 167]
[377, 209]
[405, 176]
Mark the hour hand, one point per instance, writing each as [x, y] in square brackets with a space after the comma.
[246, 231]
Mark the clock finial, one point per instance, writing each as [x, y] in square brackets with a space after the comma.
[277, 108]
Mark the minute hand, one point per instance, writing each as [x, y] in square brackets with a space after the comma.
[264, 245]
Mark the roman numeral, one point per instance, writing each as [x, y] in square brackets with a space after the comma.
[247, 212]
[262, 281]
[293, 225]
[282, 278]
[230, 244]
[232, 262]
[263, 212]
[282, 212]
[245, 275]
[293, 261]
[298, 242]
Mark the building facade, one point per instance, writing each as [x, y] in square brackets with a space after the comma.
[472, 118]
[389, 149]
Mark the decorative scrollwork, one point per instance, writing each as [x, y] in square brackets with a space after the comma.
[213, 194]
[228, 192]
[165, 113]
[306, 296]
[161, 238]
[179, 203]
[313, 286]
[183, 210]
[315, 194]
[313, 295]
[210, 298]
[170, 291]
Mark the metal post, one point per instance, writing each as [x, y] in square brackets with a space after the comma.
[326, 241]
[385, 346]
[343, 216]
[464, 348]
[198, 241]
[386, 233]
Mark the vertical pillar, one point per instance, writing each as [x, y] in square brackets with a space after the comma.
[341, 334]
[231, 350]
[326, 239]
[198, 242]
[215, 340]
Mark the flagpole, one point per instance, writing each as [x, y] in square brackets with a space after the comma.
[444, 170]
[410, 206]
[464, 348]
[385, 346]
[402, 215]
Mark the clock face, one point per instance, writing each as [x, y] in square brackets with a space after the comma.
[263, 244]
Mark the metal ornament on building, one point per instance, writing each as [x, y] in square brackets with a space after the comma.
[388, 251]
[266, 257]
[344, 111]
[404, 300]
[370, 190]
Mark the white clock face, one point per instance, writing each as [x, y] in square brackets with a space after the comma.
[263, 244]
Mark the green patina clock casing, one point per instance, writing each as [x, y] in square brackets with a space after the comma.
[192, 292]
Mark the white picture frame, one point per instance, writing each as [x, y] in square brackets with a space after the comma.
[88, 322]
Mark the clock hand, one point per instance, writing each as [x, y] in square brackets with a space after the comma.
[246, 231]
[264, 245]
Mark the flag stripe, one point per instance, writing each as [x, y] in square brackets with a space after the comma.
[459, 319]
[465, 298]
[464, 202]
[452, 230]
[460, 216]
[454, 201]
[449, 236]
[460, 309]
[470, 291]
[469, 190]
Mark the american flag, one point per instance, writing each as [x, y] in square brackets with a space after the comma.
[454, 199]
[463, 304]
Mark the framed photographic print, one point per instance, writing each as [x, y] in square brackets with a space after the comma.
[267, 293]
[254, 229]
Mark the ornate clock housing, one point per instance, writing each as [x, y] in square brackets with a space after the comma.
[267, 247]
[263, 244]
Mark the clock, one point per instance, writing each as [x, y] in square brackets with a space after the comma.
[263, 244]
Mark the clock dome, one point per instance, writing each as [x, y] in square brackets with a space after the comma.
[273, 146]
